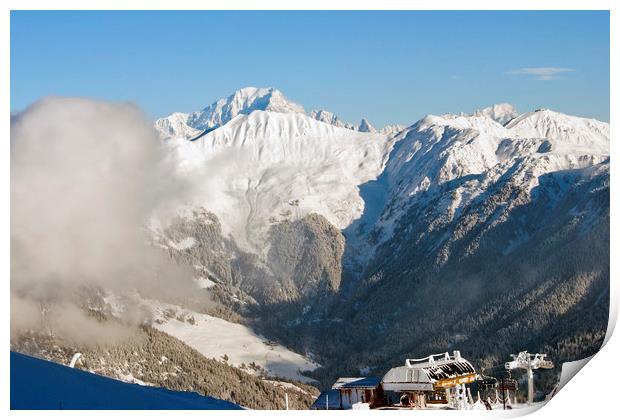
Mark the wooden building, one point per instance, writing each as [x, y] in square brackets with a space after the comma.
[346, 392]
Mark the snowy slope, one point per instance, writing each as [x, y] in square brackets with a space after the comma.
[330, 118]
[364, 125]
[569, 134]
[391, 129]
[267, 167]
[245, 101]
[268, 162]
[175, 125]
[41, 385]
[465, 154]
[487, 236]
[215, 337]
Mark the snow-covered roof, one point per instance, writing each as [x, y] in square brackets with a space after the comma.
[370, 382]
[428, 374]
[345, 380]
[332, 396]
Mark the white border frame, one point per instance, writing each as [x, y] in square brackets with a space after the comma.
[571, 402]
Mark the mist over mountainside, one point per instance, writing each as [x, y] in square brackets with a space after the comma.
[353, 246]
[86, 178]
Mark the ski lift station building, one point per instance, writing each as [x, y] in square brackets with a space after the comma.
[436, 379]
[346, 392]
[430, 374]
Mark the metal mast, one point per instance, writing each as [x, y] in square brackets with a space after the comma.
[529, 362]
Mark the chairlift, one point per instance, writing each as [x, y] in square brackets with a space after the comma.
[487, 382]
[508, 384]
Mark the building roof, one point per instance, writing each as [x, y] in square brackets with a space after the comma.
[343, 381]
[429, 373]
[322, 401]
[371, 382]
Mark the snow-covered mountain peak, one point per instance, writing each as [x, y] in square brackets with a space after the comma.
[324, 116]
[330, 118]
[267, 167]
[464, 154]
[243, 101]
[578, 134]
[266, 153]
[366, 127]
[502, 113]
[175, 125]
[438, 149]
[480, 123]
[453, 146]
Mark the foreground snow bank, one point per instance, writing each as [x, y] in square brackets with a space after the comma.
[40, 385]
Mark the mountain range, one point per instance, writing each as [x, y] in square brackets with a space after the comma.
[342, 249]
[486, 231]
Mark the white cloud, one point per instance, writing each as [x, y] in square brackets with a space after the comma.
[541, 73]
[85, 176]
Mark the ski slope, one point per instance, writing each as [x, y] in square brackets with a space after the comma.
[217, 338]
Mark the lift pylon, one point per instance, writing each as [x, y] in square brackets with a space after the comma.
[529, 362]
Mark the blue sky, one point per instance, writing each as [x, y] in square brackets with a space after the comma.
[392, 67]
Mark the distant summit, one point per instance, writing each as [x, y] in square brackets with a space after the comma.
[502, 113]
[366, 127]
[330, 118]
[245, 101]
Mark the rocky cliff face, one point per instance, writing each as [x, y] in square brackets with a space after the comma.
[307, 253]
[302, 265]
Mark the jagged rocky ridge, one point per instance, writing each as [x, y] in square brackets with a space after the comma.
[245, 101]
